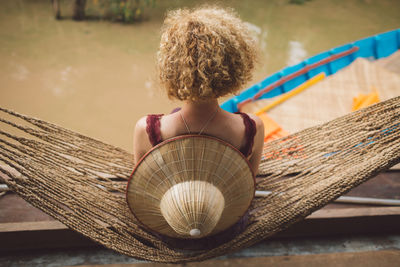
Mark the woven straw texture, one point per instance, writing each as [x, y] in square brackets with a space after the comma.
[200, 182]
[333, 96]
[81, 181]
[391, 63]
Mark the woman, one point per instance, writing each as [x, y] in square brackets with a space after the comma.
[204, 54]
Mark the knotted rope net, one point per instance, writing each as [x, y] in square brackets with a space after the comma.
[81, 181]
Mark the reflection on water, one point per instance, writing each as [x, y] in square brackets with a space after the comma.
[98, 77]
[296, 53]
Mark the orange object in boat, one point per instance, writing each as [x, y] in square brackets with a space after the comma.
[362, 101]
[272, 130]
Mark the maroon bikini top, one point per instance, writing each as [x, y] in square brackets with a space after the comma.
[153, 129]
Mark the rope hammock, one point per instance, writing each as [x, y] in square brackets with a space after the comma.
[81, 181]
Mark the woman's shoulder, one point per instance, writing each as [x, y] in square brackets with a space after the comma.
[146, 134]
[257, 121]
[141, 123]
[145, 122]
[259, 127]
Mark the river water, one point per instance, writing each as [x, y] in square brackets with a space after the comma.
[98, 77]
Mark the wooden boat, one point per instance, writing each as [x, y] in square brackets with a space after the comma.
[25, 227]
[329, 62]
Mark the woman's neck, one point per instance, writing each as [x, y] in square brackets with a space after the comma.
[200, 108]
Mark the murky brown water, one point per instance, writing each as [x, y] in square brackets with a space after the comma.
[97, 77]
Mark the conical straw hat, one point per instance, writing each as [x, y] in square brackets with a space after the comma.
[191, 186]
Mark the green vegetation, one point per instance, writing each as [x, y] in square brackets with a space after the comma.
[298, 2]
[123, 10]
[115, 10]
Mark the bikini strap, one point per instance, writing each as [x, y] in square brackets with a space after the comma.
[204, 126]
[153, 128]
[250, 132]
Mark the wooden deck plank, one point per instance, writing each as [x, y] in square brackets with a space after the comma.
[51, 234]
[385, 258]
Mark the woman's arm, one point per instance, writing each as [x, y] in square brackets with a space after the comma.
[258, 144]
[141, 143]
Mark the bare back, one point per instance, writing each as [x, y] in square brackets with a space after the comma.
[225, 126]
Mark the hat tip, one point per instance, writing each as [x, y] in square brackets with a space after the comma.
[195, 232]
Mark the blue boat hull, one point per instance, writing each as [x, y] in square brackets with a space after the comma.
[374, 47]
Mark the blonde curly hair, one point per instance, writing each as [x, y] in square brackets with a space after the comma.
[205, 53]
